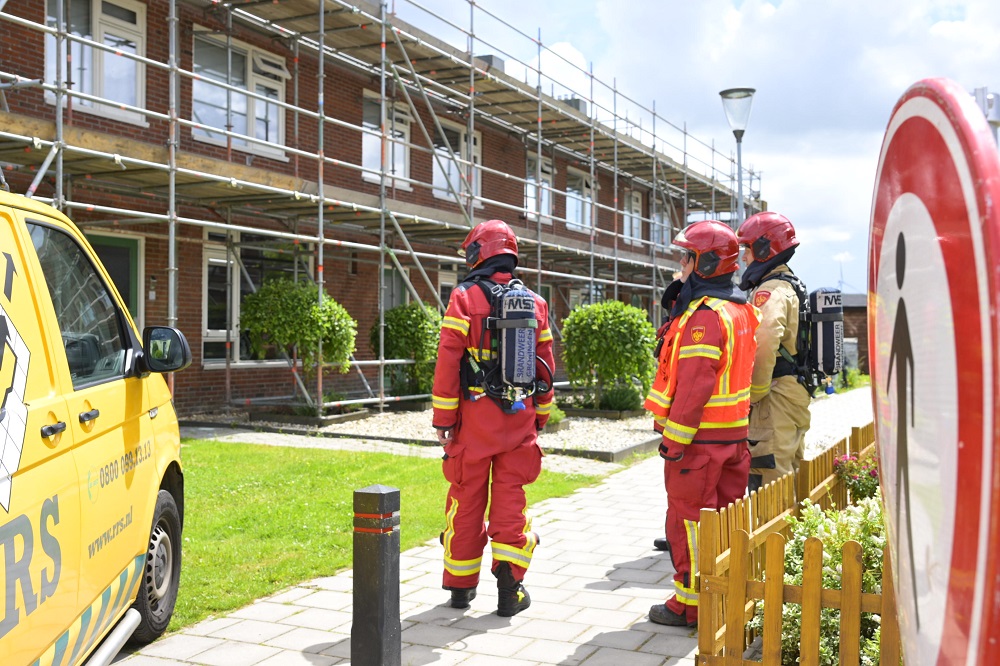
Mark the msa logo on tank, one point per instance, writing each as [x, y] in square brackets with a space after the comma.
[14, 357]
[517, 344]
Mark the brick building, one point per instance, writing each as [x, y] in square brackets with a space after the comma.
[205, 147]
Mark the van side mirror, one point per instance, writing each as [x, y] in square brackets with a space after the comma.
[165, 349]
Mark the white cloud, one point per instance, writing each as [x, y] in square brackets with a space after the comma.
[843, 257]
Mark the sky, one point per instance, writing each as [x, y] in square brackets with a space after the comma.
[827, 73]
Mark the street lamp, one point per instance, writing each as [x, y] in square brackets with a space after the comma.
[736, 103]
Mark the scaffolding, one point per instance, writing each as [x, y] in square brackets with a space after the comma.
[501, 79]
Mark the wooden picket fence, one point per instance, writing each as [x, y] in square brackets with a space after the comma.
[741, 556]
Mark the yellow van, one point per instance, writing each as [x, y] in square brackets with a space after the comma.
[91, 489]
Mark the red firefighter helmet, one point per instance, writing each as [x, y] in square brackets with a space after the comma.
[486, 240]
[767, 234]
[713, 245]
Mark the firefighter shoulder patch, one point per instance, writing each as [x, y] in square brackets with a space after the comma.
[698, 333]
[761, 297]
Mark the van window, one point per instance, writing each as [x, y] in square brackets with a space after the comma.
[90, 323]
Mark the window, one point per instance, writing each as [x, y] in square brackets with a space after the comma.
[660, 227]
[111, 75]
[579, 197]
[393, 289]
[532, 191]
[249, 69]
[447, 279]
[449, 149]
[397, 152]
[632, 219]
[264, 258]
[90, 324]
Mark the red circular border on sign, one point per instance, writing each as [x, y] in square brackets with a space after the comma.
[918, 161]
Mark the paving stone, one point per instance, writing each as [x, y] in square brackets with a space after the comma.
[555, 652]
[233, 653]
[295, 658]
[180, 646]
[251, 631]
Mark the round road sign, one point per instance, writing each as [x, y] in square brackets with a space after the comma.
[934, 274]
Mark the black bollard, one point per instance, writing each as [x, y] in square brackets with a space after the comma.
[376, 635]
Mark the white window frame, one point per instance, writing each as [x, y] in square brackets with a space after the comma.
[632, 217]
[438, 177]
[447, 278]
[583, 222]
[263, 69]
[215, 251]
[398, 121]
[531, 188]
[660, 227]
[87, 56]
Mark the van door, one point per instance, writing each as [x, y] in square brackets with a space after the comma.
[109, 420]
[39, 490]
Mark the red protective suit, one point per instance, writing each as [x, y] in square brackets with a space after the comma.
[701, 400]
[486, 442]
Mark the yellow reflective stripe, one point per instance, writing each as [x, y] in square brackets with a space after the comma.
[444, 403]
[462, 567]
[706, 351]
[543, 408]
[725, 424]
[727, 321]
[520, 556]
[759, 391]
[678, 432]
[689, 595]
[731, 399]
[545, 336]
[660, 398]
[476, 389]
[661, 420]
[486, 354]
[460, 325]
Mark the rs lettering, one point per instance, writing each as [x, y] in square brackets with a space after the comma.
[18, 537]
[16, 571]
[50, 545]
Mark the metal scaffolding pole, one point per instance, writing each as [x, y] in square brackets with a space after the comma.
[538, 165]
[382, 208]
[617, 217]
[320, 192]
[594, 189]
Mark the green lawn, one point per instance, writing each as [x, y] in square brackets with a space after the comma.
[261, 518]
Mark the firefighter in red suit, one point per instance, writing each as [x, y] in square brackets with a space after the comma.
[489, 454]
[700, 400]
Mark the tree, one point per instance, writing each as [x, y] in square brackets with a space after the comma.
[608, 344]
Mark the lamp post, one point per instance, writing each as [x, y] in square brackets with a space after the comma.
[736, 103]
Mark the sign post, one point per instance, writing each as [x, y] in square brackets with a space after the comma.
[933, 279]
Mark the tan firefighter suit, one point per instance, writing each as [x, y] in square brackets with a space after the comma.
[779, 414]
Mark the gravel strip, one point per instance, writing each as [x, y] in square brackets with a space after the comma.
[833, 416]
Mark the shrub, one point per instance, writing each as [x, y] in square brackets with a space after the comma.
[608, 344]
[851, 378]
[621, 397]
[288, 315]
[556, 415]
[411, 332]
[860, 476]
[862, 523]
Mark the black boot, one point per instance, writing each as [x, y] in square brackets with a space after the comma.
[461, 597]
[512, 598]
[661, 544]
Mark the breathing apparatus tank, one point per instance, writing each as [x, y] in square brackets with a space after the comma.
[517, 328]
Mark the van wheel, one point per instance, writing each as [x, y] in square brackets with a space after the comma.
[162, 572]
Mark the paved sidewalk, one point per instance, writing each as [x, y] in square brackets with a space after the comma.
[592, 581]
